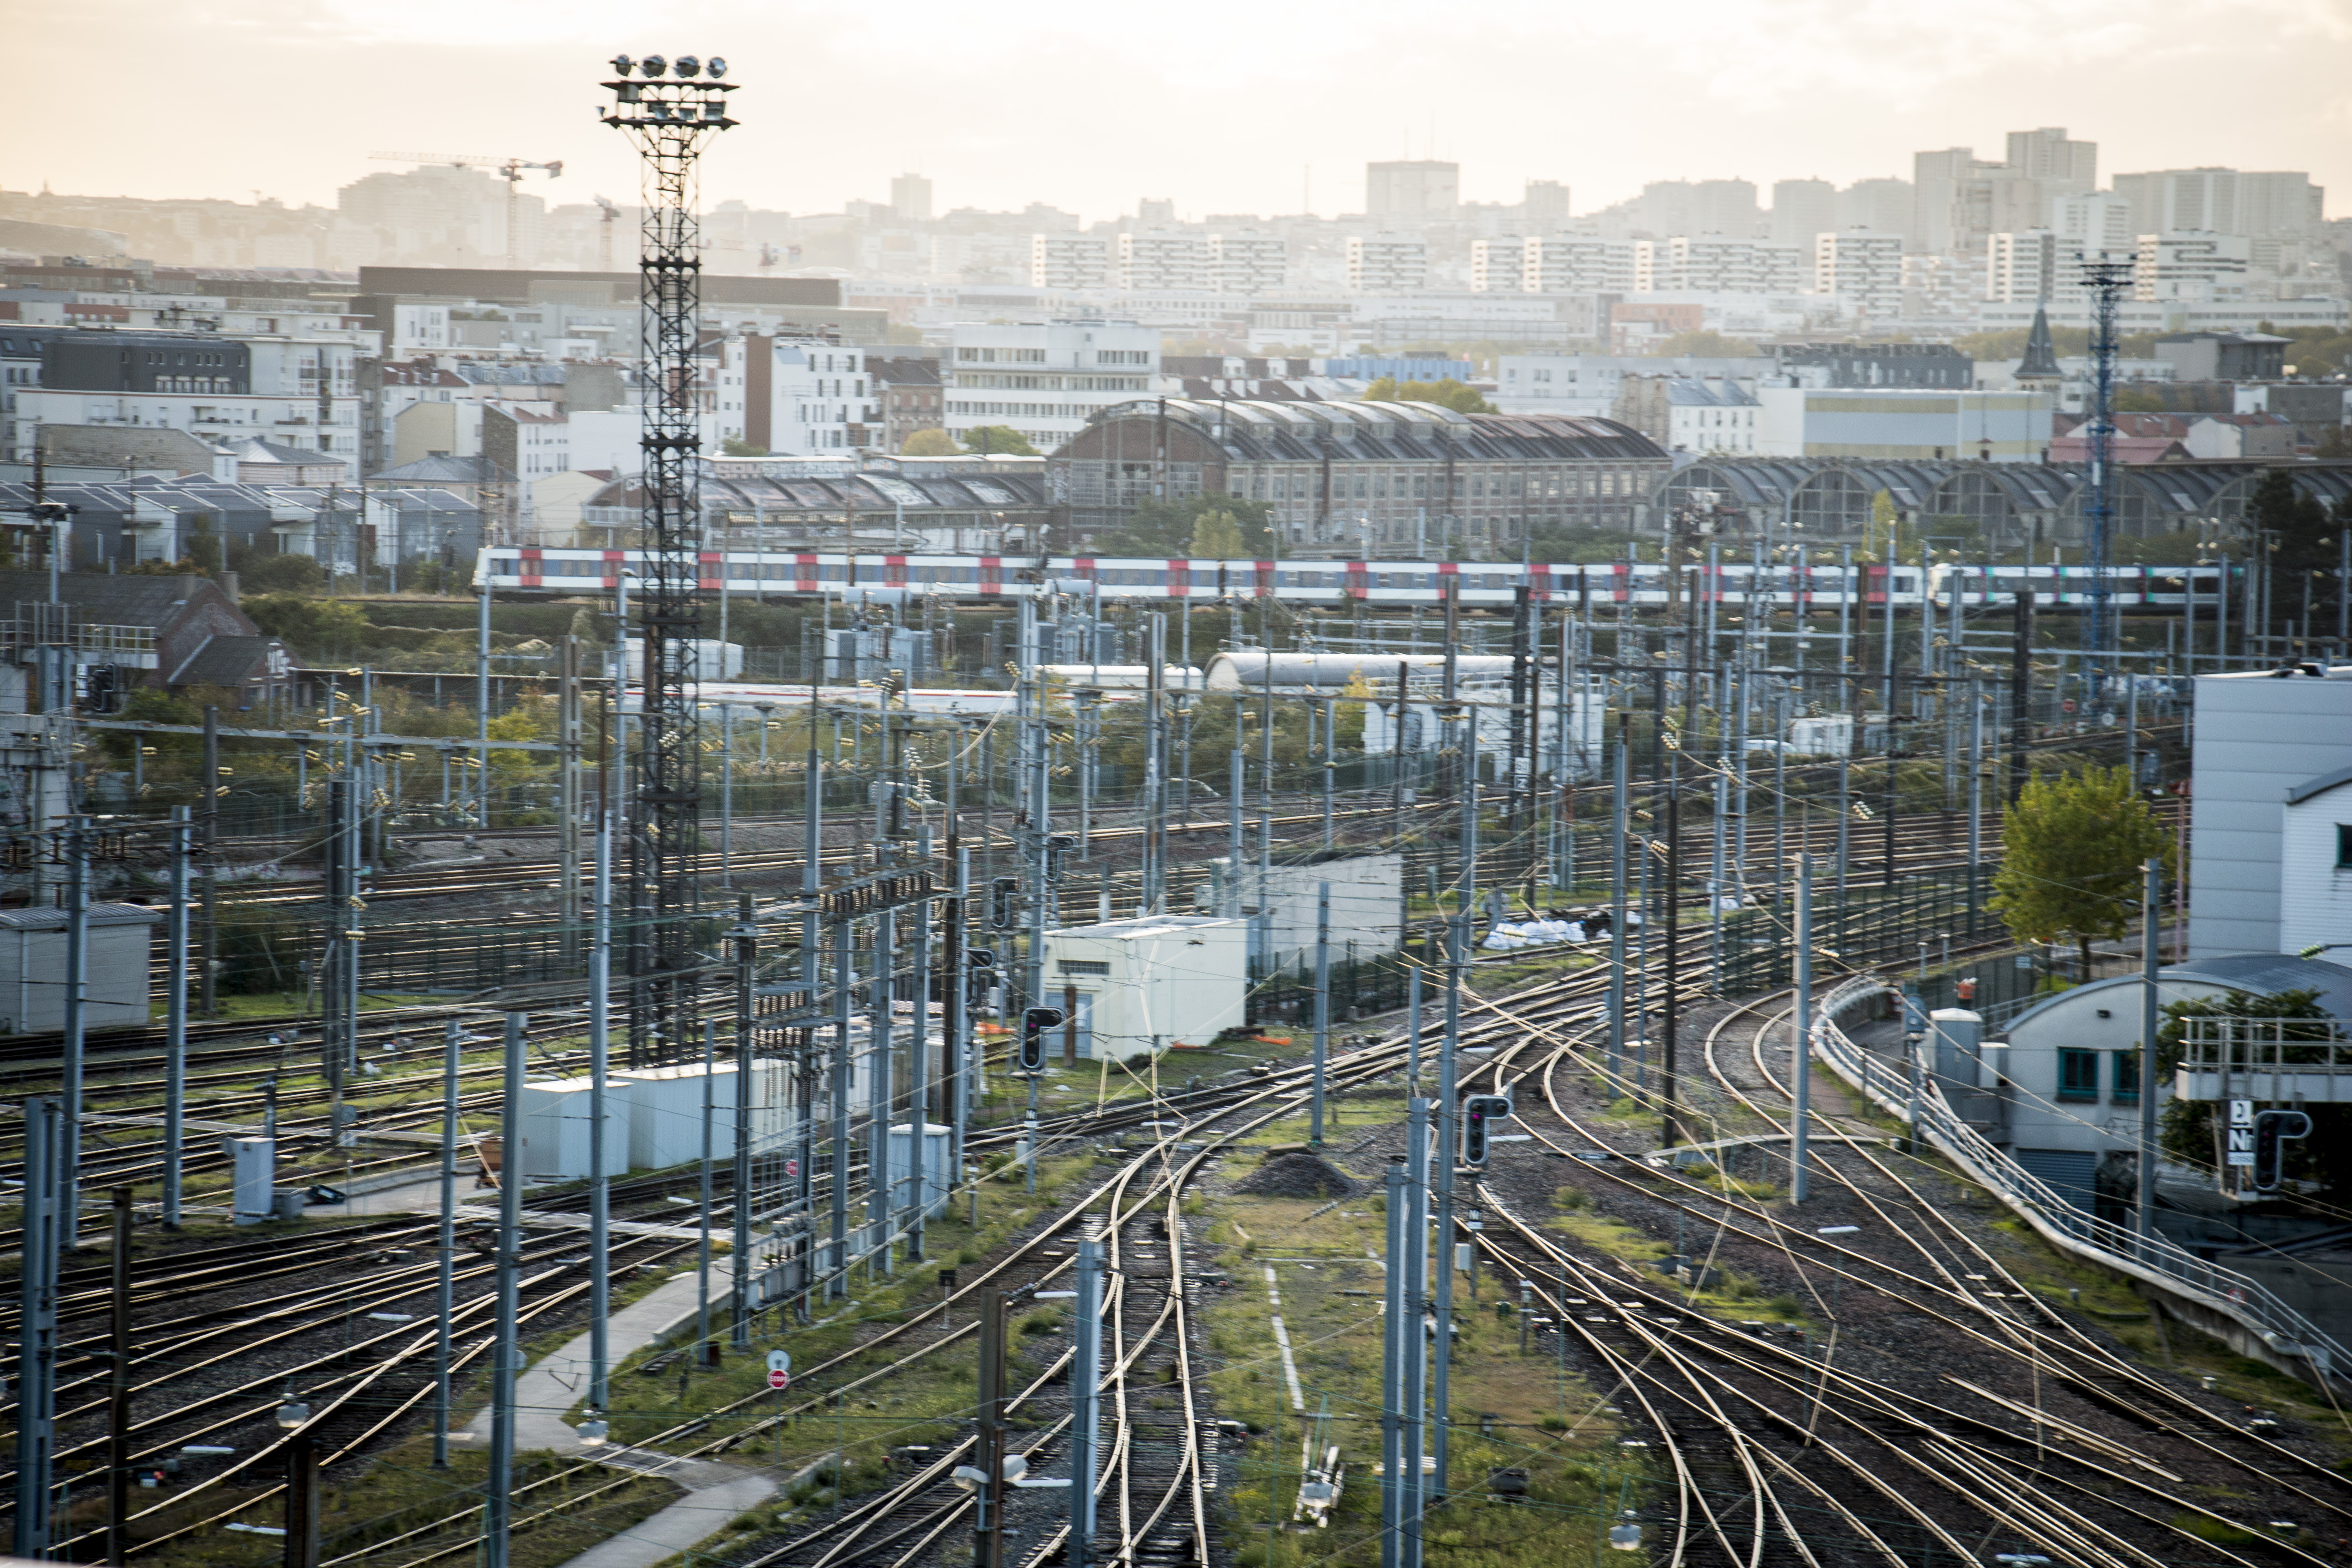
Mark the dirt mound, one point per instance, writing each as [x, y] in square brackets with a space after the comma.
[1296, 1176]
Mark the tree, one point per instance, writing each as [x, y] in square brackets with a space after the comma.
[281, 574]
[1446, 393]
[933, 443]
[2292, 526]
[732, 446]
[1216, 536]
[998, 440]
[2138, 400]
[1166, 530]
[1704, 345]
[318, 627]
[2072, 850]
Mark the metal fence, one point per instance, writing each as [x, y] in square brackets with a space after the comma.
[2152, 1257]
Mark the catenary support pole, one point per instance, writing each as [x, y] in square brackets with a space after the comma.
[706, 1347]
[600, 1183]
[37, 1357]
[175, 1016]
[746, 936]
[120, 1386]
[76, 844]
[506, 1349]
[1801, 1035]
[445, 1263]
[1086, 1399]
[1322, 1011]
[2151, 912]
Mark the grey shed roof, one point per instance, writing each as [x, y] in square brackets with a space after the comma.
[49, 917]
[125, 599]
[2269, 973]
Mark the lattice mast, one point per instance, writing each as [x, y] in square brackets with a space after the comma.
[668, 107]
[2104, 281]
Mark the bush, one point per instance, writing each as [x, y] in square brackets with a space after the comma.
[281, 575]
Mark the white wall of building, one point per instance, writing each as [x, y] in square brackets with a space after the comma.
[1044, 379]
[2255, 738]
[2316, 870]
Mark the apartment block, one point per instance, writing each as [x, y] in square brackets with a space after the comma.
[1247, 262]
[1044, 379]
[1387, 263]
[1069, 261]
[1863, 268]
[1158, 260]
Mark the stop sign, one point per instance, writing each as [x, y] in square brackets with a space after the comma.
[780, 1380]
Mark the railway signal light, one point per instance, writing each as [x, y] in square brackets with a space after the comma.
[1002, 915]
[1478, 1112]
[1035, 1022]
[1056, 846]
[2272, 1131]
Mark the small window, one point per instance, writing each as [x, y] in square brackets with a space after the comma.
[1085, 966]
[2078, 1075]
[2126, 1079]
[2344, 846]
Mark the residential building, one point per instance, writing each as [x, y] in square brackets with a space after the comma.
[1942, 288]
[909, 391]
[1902, 423]
[1959, 198]
[2094, 224]
[1589, 383]
[1247, 262]
[2279, 206]
[2205, 267]
[1801, 209]
[911, 197]
[1387, 263]
[2264, 751]
[1575, 264]
[797, 396]
[1719, 264]
[1160, 260]
[531, 441]
[1045, 379]
[1862, 270]
[1069, 261]
[1377, 477]
[1412, 189]
[1544, 207]
[1716, 417]
[1885, 206]
[1499, 265]
[2029, 268]
[292, 392]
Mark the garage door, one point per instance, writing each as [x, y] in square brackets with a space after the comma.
[2069, 1172]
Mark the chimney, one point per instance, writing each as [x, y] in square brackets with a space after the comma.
[228, 584]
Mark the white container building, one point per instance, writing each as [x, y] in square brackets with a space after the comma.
[1144, 985]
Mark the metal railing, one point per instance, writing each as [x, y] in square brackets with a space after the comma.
[33, 630]
[2225, 1045]
[2152, 1259]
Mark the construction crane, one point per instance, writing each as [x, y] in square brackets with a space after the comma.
[511, 168]
[604, 231]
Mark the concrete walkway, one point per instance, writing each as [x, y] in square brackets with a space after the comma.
[548, 1389]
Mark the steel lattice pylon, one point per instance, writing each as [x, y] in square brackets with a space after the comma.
[2104, 281]
[668, 107]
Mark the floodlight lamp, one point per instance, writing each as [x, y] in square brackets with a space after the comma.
[593, 1432]
[714, 109]
[652, 65]
[686, 66]
[293, 1414]
[623, 65]
[715, 67]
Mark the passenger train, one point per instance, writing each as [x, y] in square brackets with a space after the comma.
[967, 579]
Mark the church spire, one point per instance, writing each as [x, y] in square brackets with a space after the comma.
[2040, 361]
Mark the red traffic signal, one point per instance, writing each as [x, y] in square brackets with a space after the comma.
[1035, 1022]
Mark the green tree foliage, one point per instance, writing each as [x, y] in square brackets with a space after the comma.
[318, 628]
[2138, 400]
[929, 443]
[2181, 547]
[2073, 847]
[2294, 527]
[1446, 393]
[734, 446]
[2191, 1129]
[998, 440]
[1216, 537]
[1167, 529]
[1702, 344]
[258, 573]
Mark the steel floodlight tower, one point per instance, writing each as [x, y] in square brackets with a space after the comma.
[2105, 282]
[667, 108]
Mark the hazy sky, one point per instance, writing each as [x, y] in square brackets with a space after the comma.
[1225, 105]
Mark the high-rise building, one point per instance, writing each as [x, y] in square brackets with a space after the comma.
[1386, 263]
[1716, 264]
[2199, 266]
[1800, 210]
[911, 197]
[2222, 201]
[1044, 379]
[1545, 208]
[1247, 261]
[1417, 188]
[1155, 212]
[1158, 260]
[1499, 265]
[2094, 224]
[2046, 155]
[2029, 268]
[1671, 208]
[1884, 206]
[1864, 270]
[1069, 261]
[1577, 264]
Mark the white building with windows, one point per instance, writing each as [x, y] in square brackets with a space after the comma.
[1713, 417]
[2196, 266]
[1387, 263]
[1043, 378]
[1576, 264]
[1069, 261]
[1719, 264]
[1160, 260]
[1863, 269]
[1248, 262]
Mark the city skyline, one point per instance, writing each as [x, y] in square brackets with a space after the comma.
[1246, 111]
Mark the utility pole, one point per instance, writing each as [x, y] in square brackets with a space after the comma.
[119, 1388]
[746, 938]
[1322, 1010]
[2151, 909]
[1801, 1054]
[175, 1016]
[1086, 1400]
[208, 968]
[77, 1018]
[44, 1235]
[444, 1270]
[600, 1070]
[506, 1351]
[2021, 693]
[988, 1521]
